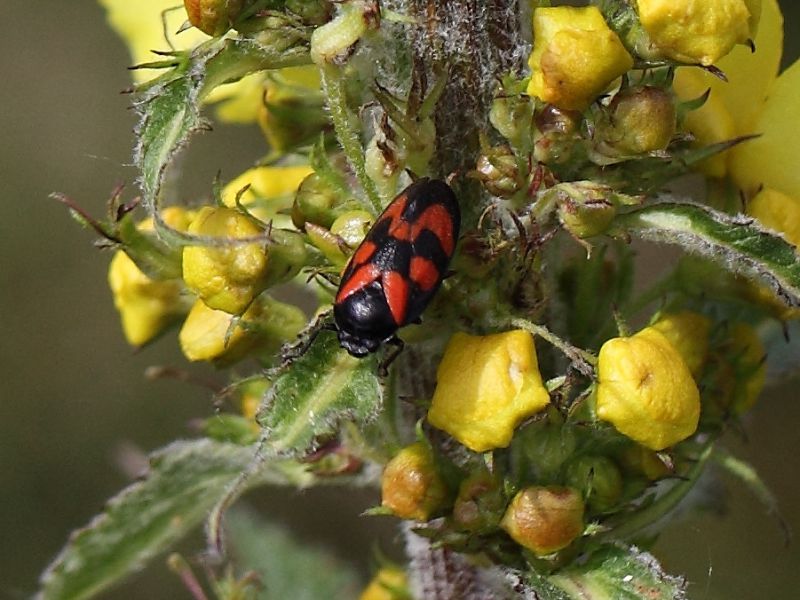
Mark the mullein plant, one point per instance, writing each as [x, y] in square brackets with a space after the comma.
[546, 414]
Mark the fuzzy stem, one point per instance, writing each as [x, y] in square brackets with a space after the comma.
[347, 133]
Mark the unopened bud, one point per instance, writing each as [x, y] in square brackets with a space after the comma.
[643, 119]
[599, 480]
[411, 487]
[214, 17]
[544, 519]
[498, 170]
[585, 208]
[316, 202]
[479, 504]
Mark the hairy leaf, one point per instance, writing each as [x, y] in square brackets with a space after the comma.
[169, 107]
[620, 573]
[286, 567]
[184, 481]
[312, 394]
[738, 243]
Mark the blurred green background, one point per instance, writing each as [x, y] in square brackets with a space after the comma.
[73, 393]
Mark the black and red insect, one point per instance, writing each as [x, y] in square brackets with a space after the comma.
[397, 269]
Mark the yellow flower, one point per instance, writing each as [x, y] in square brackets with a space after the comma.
[755, 100]
[777, 211]
[226, 277]
[646, 390]
[208, 334]
[486, 386]
[698, 31]
[143, 24]
[388, 584]
[410, 486]
[688, 332]
[212, 335]
[146, 306]
[575, 57]
[544, 519]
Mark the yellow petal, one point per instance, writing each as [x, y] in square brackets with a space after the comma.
[772, 160]
[142, 24]
[750, 74]
[646, 390]
[778, 212]
[695, 31]
[486, 386]
[688, 332]
[238, 102]
[575, 56]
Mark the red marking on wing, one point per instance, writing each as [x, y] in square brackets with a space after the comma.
[363, 253]
[424, 273]
[395, 289]
[435, 218]
[360, 278]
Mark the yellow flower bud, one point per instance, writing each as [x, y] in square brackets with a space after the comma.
[209, 334]
[204, 332]
[643, 120]
[225, 277]
[575, 57]
[646, 390]
[486, 386]
[778, 212]
[697, 31]
[688, 332]
[544, 519]
[411, 487]
[388, 584]
[147, 306]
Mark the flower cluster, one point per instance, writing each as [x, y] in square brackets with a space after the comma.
[523, 453]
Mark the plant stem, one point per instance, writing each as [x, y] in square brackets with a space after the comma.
[347, 133]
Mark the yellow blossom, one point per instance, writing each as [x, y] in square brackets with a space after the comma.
[410, 486]
[777, 211]
[226, 277]
[214, 335]
[388, 584]
[575, 57]
[544, 519]
[209, 334]
[146, 306]
[688, 332]
[698, 31]
[646, 390]
[143, 24]
[486, 386]
[754, 100]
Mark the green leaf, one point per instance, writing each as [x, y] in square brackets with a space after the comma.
[737, 243]
[620, 573]
[169, 107]
[184, 481]
[287, 568]
[312, 394]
